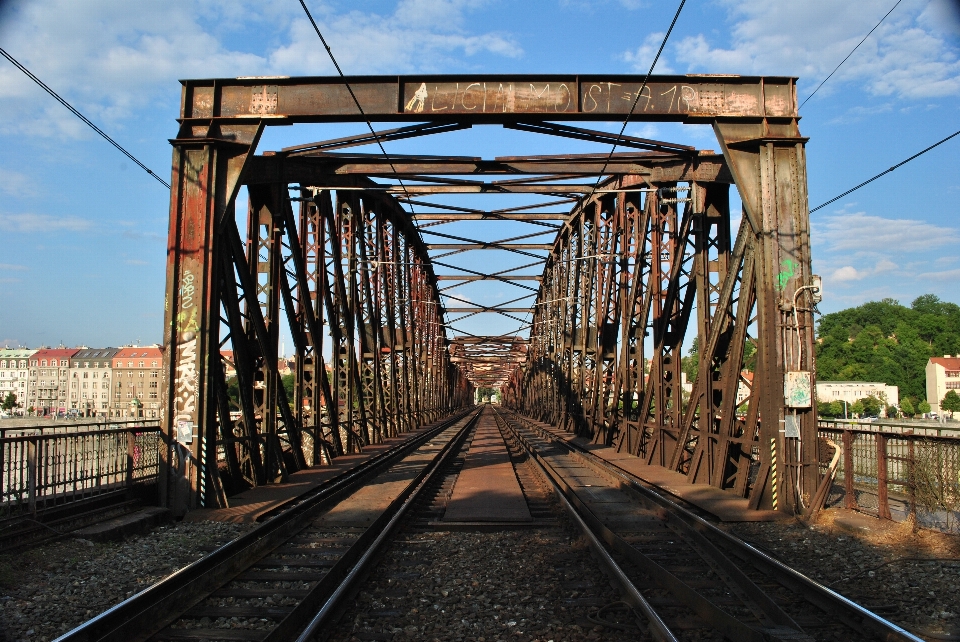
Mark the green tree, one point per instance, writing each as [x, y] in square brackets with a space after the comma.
[857, 407]
[923, 407]
[871, 406]
[892, 412]
[950, 402]
[691, 363]
[9, 402]
[906, 407]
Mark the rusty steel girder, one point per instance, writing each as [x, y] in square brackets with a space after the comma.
[645, 261]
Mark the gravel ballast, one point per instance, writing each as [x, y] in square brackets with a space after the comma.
[911, 578]
[48, 590]
[449, 586]
[512, 585]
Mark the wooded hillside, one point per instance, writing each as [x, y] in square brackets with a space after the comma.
[885, 341]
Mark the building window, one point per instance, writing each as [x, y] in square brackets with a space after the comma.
[153, 395]
[953, 385]
[141, 364]
[140, 374]
[953, 374]
[85, 375]
[153, 384]
[154, 374]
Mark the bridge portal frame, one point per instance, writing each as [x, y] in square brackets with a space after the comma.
[221, 120]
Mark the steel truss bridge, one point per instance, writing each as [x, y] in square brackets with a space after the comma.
[642, 256]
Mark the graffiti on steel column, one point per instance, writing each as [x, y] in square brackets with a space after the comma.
[596, 97]
[787, 269]
[185, 355]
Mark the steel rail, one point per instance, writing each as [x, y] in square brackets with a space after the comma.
[392, 516]
[818, 594]
[658, 628]
[149, 611]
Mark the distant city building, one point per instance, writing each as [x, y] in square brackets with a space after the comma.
[47, 380]
[90, 377]
[851, 391]
[13, 374]
[943, 374]
[136, 383]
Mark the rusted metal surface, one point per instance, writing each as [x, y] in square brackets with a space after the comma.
[645, 260]
[487, 98]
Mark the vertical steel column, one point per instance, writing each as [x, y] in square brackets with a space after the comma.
[768, 162]
[205, 178]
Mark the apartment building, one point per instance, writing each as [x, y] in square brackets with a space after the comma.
[13, 375]
[90, 377]
[943, 374]
[136, 383]
[851, 391]
[47, 380]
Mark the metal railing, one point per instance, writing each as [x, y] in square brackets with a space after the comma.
[45, 468]
[897, 475]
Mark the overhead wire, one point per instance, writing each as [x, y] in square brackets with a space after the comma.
[356, 102]
[886, 171]
[848, 55]
[636, 99]
[76, 113]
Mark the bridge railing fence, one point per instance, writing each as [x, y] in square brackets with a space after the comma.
[45, 468]
[897, 475]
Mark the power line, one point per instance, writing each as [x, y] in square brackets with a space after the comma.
[848, 55]
[639, 93]
[901, 163]
[356, 101]
[360, 109]
[81, 116]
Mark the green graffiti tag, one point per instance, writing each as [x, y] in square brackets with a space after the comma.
[789, 269]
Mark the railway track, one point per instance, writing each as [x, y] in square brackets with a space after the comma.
[680, 576]
[285, 579]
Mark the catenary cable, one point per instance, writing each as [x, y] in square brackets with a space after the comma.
[356, 102]
[636, 100]
[887, 171]
[848, 55]
[76, 113]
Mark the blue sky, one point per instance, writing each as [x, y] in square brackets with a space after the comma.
[83, 230]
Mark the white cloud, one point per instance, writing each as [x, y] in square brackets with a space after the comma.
[10, 267]
[946, 275]
[846, 273]
[911, 55]
[642, 57]
[16, 184]
[860, 232]
[31, 223]
[113, 58]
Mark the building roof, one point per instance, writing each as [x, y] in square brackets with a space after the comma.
[141, 352]
[55, 353]
[16, 353]
[950, 363]
[95, 353]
